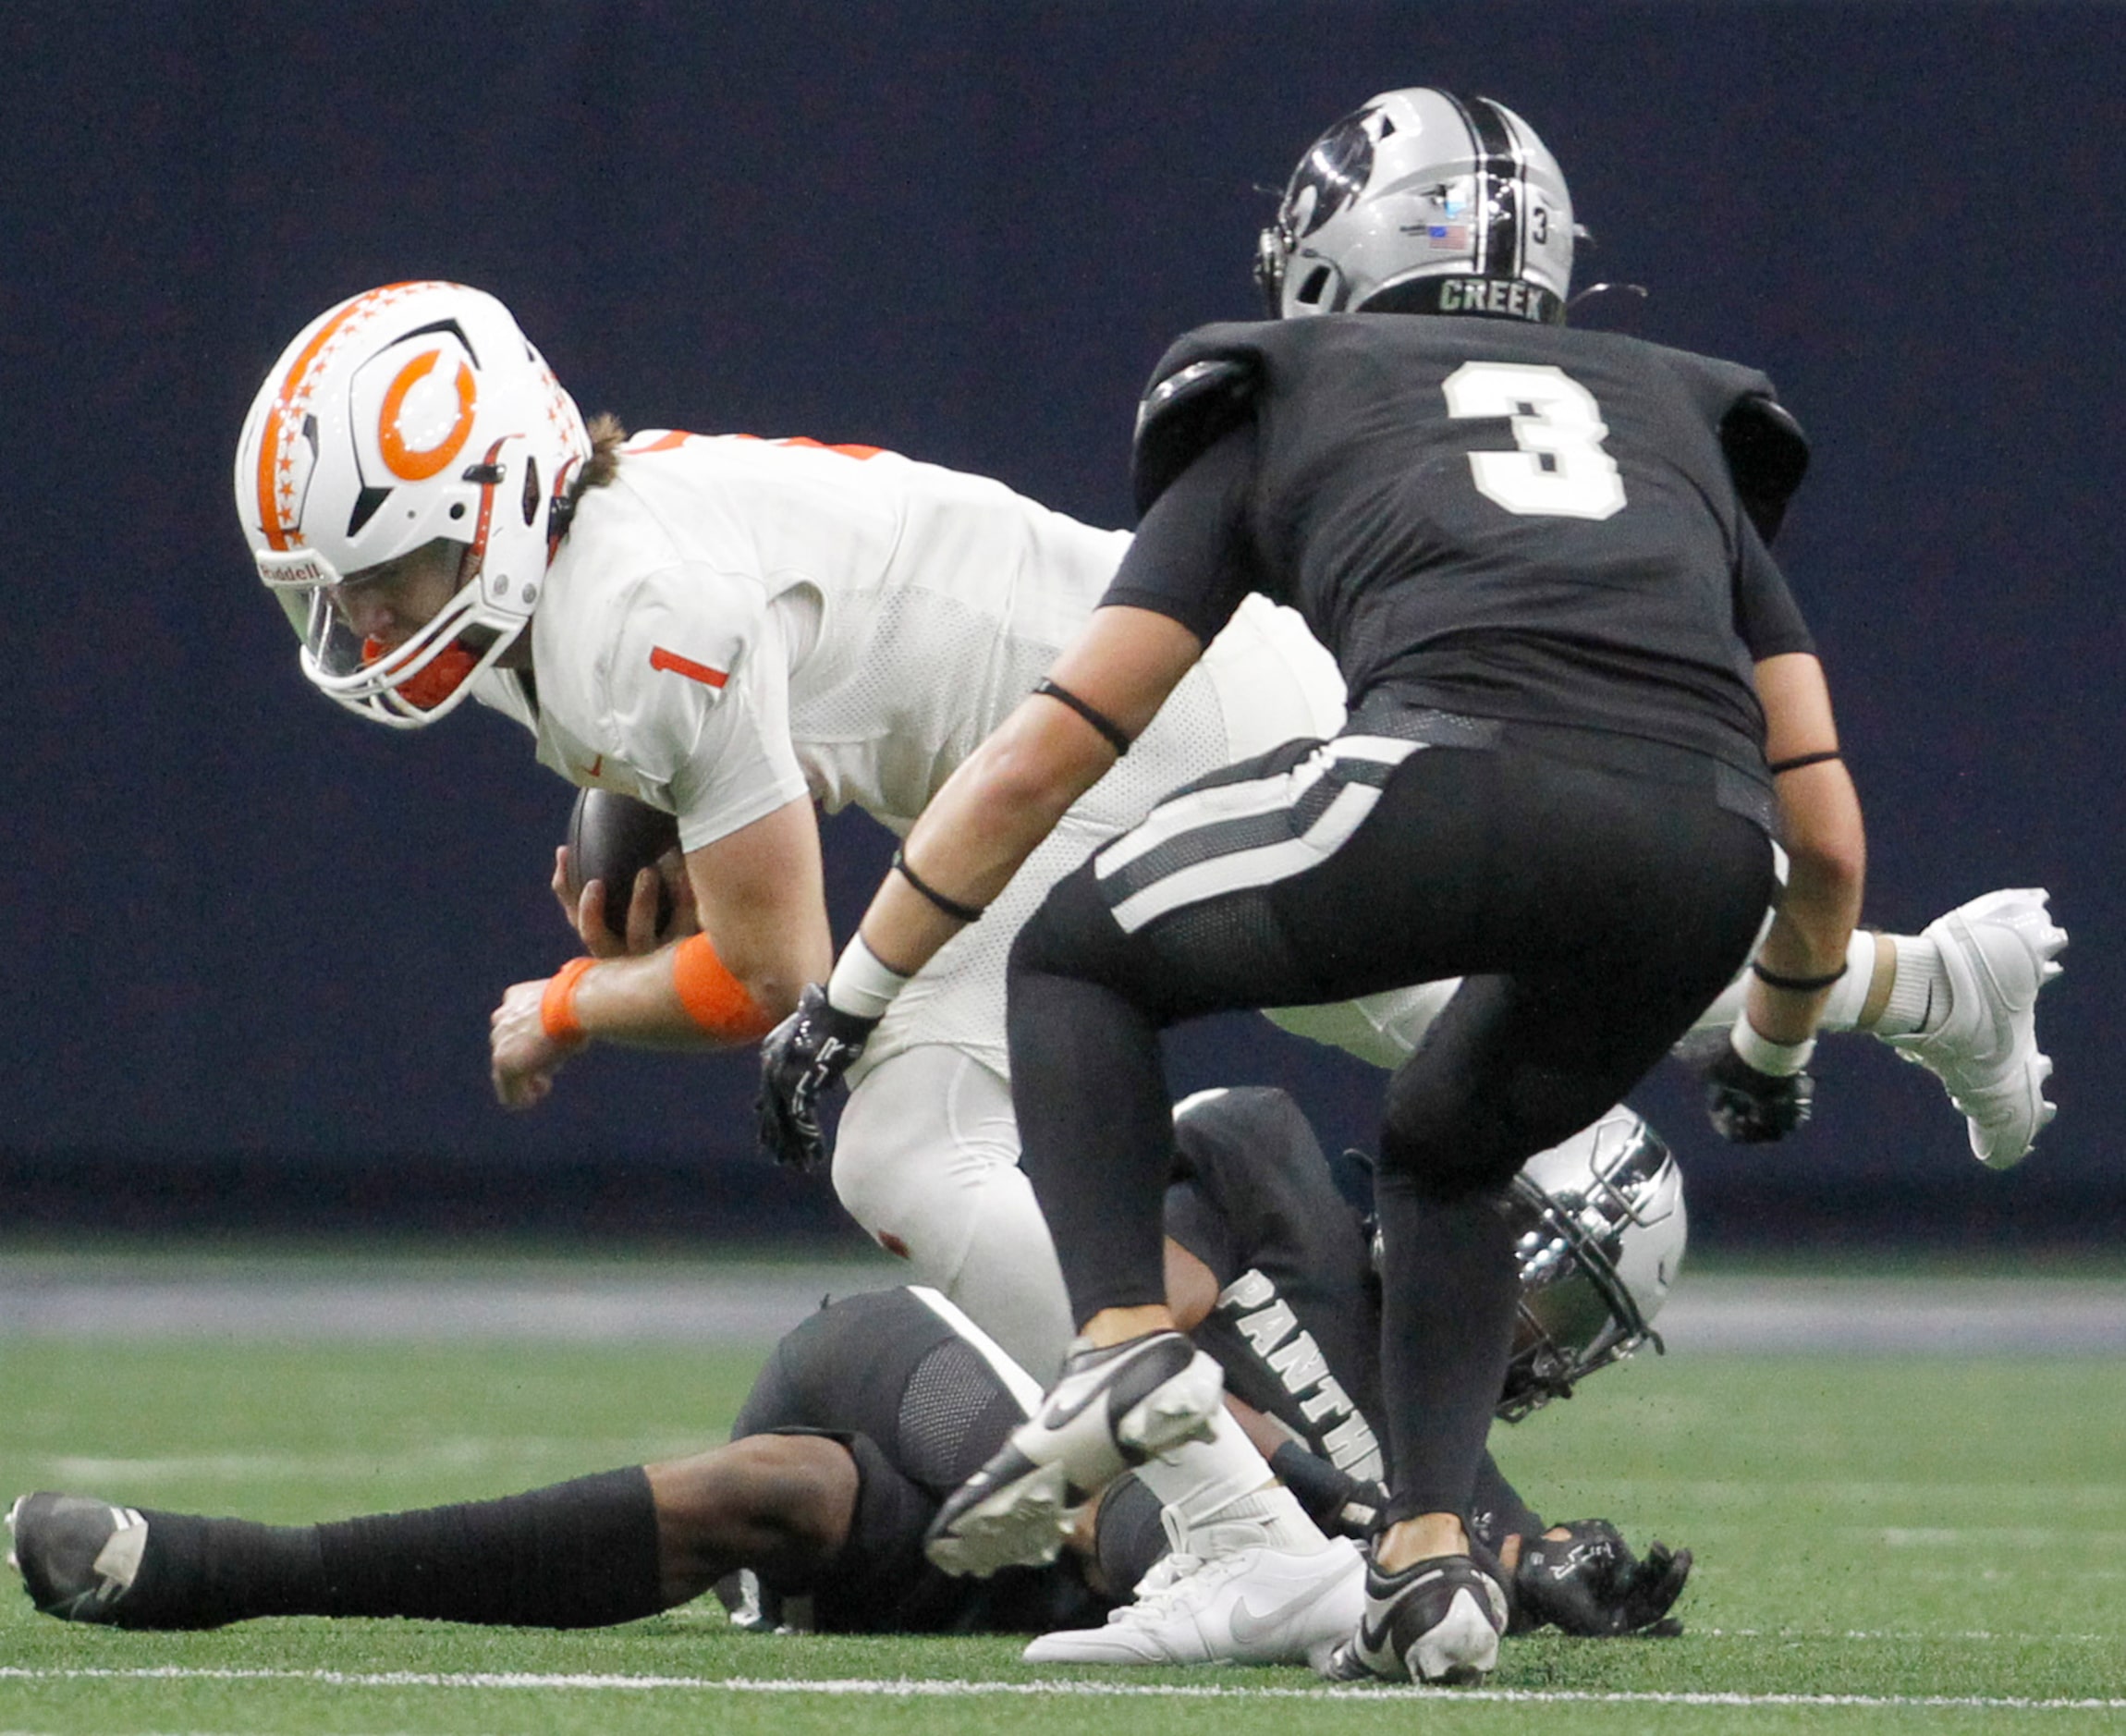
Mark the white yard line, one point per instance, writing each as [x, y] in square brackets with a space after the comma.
[906, 1689]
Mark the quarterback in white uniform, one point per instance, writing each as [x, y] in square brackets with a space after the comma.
[735, 630]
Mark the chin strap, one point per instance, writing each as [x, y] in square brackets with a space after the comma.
[561, 515]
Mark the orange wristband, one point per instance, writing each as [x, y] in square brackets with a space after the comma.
[558, 1005]
[713, 999]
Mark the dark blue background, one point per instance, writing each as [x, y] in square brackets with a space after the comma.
[251, 941]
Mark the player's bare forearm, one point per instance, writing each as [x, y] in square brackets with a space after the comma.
[1264, 1432]
[763, 936]
[761, 893]
[990, 816]
[1826, 848]
[996, 810]
[676, 997]
[617, 1000]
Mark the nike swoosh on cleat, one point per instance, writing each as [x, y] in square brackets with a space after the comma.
[1248, 1627]
[1057, 1413]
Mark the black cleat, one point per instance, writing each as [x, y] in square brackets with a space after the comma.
[1435, 1621]
[76, 1556]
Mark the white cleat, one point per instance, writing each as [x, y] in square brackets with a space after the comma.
[1109, 1409]
[1997, 952]
[1255, 1606]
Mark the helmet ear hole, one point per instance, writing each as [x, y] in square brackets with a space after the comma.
[530, 501]
[1315, 287]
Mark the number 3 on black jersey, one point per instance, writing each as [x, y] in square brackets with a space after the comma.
[1559, 469]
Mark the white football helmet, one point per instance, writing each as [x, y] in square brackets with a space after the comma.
[413, 413]
[1422, 202]
[1600, 1228]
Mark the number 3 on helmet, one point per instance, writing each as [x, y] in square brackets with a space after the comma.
[414, 413]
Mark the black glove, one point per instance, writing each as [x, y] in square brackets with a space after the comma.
[1589, 1583]
[1751, 1107]
[800, 1058]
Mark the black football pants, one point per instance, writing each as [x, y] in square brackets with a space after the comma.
[1592, 913]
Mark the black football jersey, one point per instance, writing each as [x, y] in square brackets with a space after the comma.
[1521, 522]
[921, 1406]
[1296, 1327]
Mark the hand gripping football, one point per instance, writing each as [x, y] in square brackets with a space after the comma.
[613, 837]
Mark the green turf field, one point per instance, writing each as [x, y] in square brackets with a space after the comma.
[1883, 1544]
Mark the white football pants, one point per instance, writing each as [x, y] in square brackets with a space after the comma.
[927, 1162]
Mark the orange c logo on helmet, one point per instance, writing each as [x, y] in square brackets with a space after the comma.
[416, 464]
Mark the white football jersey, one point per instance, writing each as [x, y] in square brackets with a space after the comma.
[733, 623]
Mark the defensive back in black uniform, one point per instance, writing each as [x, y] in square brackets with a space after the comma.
[1539, 556]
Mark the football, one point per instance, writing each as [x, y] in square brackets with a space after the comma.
[613, 837]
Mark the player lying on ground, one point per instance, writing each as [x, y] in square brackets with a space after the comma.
[873, 1409]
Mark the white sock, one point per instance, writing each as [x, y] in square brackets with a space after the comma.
[1271, 1515]
[1919, 999]
[1848, 994]
[1214, 1491]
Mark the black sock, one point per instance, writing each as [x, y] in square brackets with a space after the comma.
[577, 1555]
[1128, 1537]
[1447, 1305]
[202, 1573]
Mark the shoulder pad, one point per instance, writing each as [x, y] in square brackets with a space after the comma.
[1186, 412]
[1767, 454]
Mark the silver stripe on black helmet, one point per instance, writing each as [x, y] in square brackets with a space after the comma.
[1599, 1232]
[1422, 202]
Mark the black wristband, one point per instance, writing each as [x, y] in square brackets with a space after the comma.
[1798, 985]
[1801, 760]
[1105, 725]
[951, 907]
